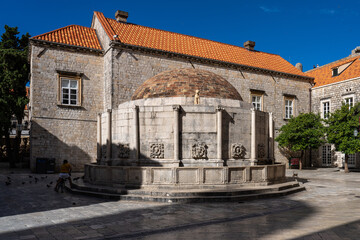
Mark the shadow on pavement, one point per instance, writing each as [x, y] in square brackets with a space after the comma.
[249, 220]
[345, 231]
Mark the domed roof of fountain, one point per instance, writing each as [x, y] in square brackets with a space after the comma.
[184, 82]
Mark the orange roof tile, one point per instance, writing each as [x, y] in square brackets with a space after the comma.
[147, 37]
[323, 74]
[72, 35]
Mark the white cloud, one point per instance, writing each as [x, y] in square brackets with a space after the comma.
[269, 10]
[327, 11]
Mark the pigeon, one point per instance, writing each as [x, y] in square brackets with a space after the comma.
[51, 182]
[48, 185]
[9, 178]
[7, 183]
[30, 176]
[23, 183]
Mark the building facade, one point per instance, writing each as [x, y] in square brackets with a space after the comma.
[335, 83]
[79, 72]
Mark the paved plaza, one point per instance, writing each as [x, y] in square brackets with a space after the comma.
[328, 209]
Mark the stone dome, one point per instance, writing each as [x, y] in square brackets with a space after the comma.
[184, 82]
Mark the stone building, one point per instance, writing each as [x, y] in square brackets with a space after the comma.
[335, 83]
[78, 72]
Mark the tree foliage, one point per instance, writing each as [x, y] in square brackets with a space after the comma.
[14, 72]
[341, 126]
[301, 133]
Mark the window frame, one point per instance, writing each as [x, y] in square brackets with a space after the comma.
[322, 103]
[326, 155]
[349, 96]
[292, 99]
[258, 97]
[69, 77]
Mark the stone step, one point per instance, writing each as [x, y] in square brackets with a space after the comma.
[175, 191]
[193, 195]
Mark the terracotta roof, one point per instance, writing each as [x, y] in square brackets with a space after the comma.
[147, 37]
[323, 74]
[184, 82]
[72, 35]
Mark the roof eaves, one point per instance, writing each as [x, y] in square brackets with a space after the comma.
[213, 60]
[66, 45]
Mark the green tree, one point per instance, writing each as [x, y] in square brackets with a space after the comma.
[340, 130]
[14, 72]
[301, 133]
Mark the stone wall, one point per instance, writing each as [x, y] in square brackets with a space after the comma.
[58, 131]
[335, 94]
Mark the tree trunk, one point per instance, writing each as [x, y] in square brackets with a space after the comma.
[346, 167]
[9, 152]
[17, 142]
[300, 160]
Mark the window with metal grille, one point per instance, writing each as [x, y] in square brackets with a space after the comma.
[326, 155]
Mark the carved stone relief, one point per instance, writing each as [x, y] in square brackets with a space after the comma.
[261, 150]
[124, 150]
[238, 151]
[199, 151]
[103, 151]
[157, 150]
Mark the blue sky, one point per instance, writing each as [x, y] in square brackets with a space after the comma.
[310, 32]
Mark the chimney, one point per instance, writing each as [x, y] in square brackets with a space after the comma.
[121, 16]
[299, 66]
[355, 51]
[249, 45]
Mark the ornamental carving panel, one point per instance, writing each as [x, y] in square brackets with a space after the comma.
[238, 151]
[261, 151]
[199, 151]
[157, 150]
[124, 150]
[103, 151]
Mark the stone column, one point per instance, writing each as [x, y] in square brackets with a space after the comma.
[136, 132]
[219, 132]
[253, 137]
[176, 132]
[108, 136]
[99, 143]
[271, 137]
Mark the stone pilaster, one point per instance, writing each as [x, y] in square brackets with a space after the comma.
[253, 137]
[108, 135]
[219, 132]
[176, 132]
[271, 138]
[136, 140]
[98, 137]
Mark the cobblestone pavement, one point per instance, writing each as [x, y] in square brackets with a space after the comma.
[329, 209]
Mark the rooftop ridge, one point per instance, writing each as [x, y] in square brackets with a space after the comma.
[181, 34]
[59, 30]
[104, 22]
[349, 58]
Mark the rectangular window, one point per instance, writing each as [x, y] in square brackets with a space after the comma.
[289, 108]
[351, 160]
[349, 101]
[69, 91]
[335, 72]
[325, 109]
[326, 155]
[256, 101]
